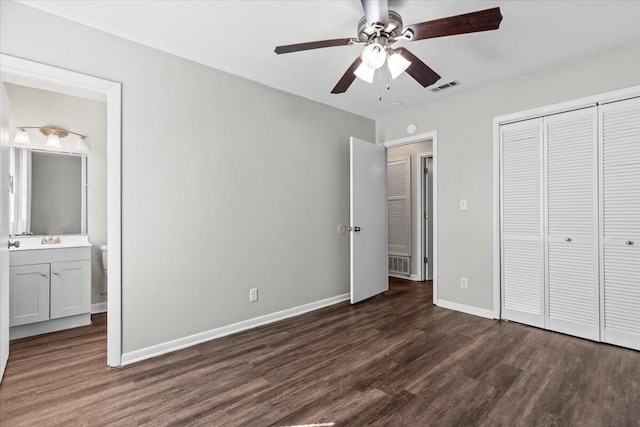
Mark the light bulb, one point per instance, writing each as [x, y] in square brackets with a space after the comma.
[397, 65]
[53, 141]
[374, 56]
[365, 73]
[22, 137]
[82, 145]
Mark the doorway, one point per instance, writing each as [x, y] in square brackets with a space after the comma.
[419, 152]
[43, 77]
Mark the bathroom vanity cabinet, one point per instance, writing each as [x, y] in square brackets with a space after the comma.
[50, 290]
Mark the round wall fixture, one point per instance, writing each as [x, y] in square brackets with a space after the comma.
[411, 129]
[342, 229]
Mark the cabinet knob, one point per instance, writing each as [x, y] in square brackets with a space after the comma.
[43, 274]
[629, 242]
[568, 239]
[56, 272]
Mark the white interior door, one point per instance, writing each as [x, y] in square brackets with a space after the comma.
[4, 230]
[369, 274]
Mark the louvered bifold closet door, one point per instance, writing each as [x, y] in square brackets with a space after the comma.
[521, 222]
[399, 206]
[572, 223]
[620, 216]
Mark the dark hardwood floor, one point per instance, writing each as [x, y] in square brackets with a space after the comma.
[393, 360]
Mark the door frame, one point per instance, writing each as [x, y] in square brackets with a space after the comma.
[421, 210]
[40, 76]
[433, 137]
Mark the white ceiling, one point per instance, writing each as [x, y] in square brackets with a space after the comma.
[239, 37]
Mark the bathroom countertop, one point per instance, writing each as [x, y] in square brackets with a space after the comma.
[31, 243]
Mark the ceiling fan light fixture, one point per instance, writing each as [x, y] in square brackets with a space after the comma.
[374, 55]
[363, 72]
[397, 64]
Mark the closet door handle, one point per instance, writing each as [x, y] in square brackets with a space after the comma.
[629, 242]
[43, 274]
[568, 239]
[56, 273]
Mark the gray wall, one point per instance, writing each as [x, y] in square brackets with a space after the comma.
[411, 150]
[227, 184]
[29, 106]
[465, 158]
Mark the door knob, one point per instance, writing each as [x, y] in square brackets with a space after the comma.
[568, 239]
[15, 244]
[629, 242]
[354, 229]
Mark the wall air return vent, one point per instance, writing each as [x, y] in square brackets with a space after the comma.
[446, 86]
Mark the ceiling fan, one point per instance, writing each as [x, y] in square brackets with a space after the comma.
[380, 28]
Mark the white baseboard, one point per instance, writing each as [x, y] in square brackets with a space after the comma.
[191, 340]
[100, 307]
[465, 308]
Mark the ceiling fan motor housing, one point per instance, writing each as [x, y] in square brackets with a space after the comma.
[369, 32]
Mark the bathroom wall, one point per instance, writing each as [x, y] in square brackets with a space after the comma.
[226, 184]
[411, 150]
[35, 107]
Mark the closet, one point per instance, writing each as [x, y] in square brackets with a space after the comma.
[570, 222]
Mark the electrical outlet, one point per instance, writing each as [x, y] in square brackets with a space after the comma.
[464, 283]
[253, 294]
[463, 204]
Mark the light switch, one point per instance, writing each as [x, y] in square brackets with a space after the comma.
[463, 204]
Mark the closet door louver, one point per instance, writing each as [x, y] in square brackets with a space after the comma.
[572, 223]
[399, 206]
[521, 222]
[620, 216]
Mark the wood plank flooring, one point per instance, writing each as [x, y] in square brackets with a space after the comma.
[393, 360]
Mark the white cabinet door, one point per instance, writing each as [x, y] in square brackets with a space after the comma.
[572, 223]
[29, 294]
[70, 294]
[620, 216]
[522, 246]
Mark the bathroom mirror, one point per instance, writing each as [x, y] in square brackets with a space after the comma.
[48, 193]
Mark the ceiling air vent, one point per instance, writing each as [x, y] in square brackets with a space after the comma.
[446, 86]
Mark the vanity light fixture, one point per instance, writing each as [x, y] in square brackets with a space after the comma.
[53, 134]
[22, 138]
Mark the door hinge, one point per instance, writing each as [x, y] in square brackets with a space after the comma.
[426, 260]
[426, 171]
[426, 215]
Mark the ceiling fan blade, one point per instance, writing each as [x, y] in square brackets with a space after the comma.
[348, 77]
[376, 11]
[312, 45]
[473, 22]
[418, 69]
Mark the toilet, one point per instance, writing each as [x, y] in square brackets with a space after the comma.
[103, 248]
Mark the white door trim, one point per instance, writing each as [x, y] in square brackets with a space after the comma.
[420, 210]
[433, 136]
[41, 76]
